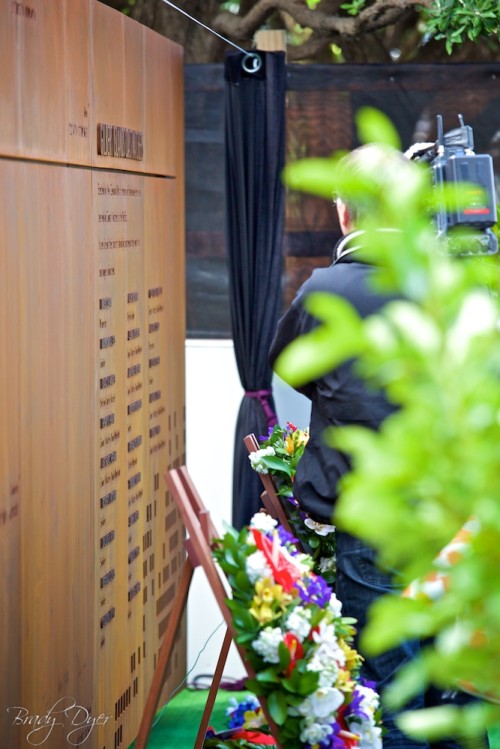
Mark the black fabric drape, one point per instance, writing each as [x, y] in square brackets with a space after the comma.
[254, 159]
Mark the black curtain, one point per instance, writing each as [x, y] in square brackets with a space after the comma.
[254, 159]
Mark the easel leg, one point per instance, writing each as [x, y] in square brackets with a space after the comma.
[212, 694]
[164, 655]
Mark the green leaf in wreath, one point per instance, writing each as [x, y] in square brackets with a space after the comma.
[308, 682]
[278, 708]
[284, 656]
[274, 463]
[268, 675]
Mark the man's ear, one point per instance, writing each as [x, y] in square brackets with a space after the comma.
[345, 220]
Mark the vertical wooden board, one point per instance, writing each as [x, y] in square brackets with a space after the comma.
[166, 409]
[137, 474]
[135, 82]
[164, 111]
[317, 125]
[121, 342]
[108, 60]
[109, 218]
[176, 122]
[10, 109]
[41, 79]
[10, 685]
[117, 54]
[80, 137]
[56, 395]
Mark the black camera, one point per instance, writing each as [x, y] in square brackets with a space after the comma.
[467, 226]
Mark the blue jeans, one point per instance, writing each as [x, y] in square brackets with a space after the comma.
[359, 583]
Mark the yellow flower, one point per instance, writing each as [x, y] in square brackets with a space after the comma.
[344, 681]
[352, 658]
[269, 601]
[300, 437]
[290, 444]
[264, 614]
[268, 592]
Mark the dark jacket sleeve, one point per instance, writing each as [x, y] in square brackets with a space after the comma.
[294, 323]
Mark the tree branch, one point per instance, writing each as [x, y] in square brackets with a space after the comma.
[376, 16]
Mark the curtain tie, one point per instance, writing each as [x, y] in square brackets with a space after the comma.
[264, 396]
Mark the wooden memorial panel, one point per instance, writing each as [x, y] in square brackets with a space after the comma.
[92, 366]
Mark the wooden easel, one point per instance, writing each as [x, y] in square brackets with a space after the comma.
[201, 533]
[269, 496]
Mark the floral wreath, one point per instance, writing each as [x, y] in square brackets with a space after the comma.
[278, 456]
[289, 622]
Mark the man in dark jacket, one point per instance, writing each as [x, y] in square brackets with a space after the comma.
[338, 398]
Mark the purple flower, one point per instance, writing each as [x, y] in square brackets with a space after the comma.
[354, 707]
[314, 589]
[236, 712]
[287, 538]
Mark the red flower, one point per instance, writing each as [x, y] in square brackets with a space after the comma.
[254, 737]
[285, 573]
[351, 740]
[295, 649]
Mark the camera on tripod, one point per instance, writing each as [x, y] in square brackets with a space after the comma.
[467, 225]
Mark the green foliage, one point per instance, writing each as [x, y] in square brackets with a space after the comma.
[354, 7]
[434, 463]
[455, 21]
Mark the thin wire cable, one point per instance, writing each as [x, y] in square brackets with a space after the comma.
[174, 691]
[245, 51]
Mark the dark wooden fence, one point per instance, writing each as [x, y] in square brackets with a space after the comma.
[322, 101]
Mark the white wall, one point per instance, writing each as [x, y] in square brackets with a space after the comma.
[213, 396]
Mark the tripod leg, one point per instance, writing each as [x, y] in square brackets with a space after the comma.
[212, 694]
[164, 655]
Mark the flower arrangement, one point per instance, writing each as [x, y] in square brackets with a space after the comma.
[278, 456]
[289, 622]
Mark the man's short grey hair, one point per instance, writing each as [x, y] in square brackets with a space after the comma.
[375, 161]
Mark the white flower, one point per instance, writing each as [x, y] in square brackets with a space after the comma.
[326, 564]
[328, 672]
[370, 735]
[267, 643]
[335, 606]
[314, 733]
[261, 521]
[255, 458]
[323, 703]
[370, 699]
[322, 529]
[328, 649]
[257, 567]
[299, 622]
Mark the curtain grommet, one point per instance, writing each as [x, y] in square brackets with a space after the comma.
[252, 62]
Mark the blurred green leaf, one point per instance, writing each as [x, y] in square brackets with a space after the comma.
[278, 708]
[375, 127]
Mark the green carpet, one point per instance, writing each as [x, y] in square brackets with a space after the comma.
[176, 724]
